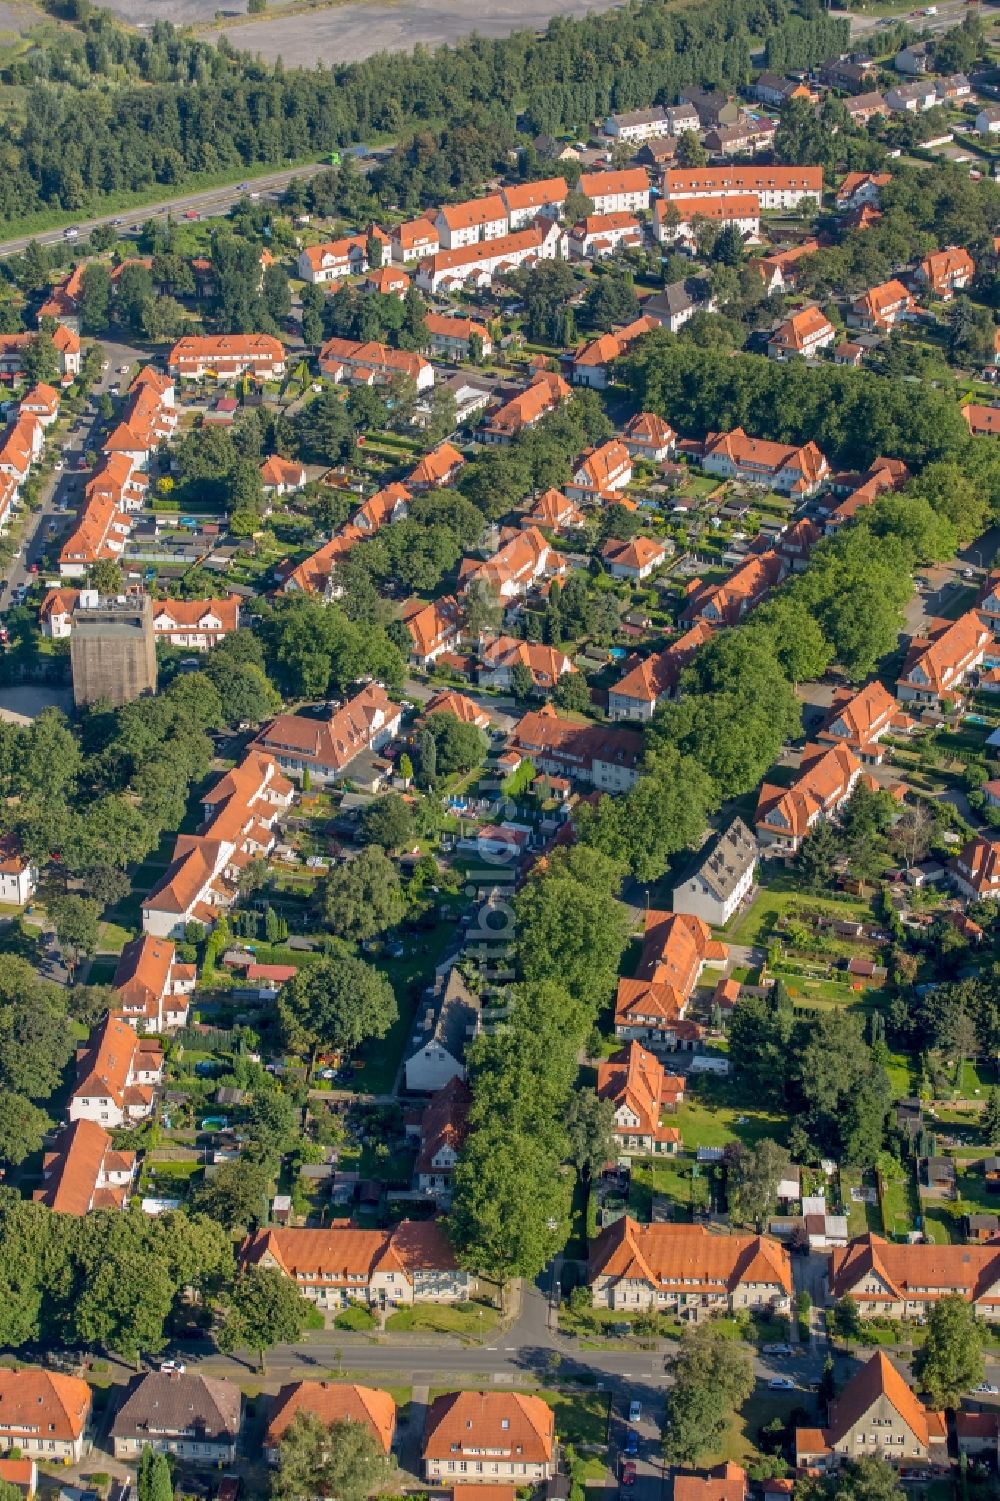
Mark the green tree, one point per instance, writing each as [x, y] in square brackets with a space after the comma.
[95, 300]
[22, 1128]
[264, 1308]
[343, 1459]
[522, 682]
[459, 746]
[590, 1127]
[75, 919]
[572, 693]
[816, 858]
[572, 930]
[362, 897]
[39, 360]
[153, 1478]
[991, 1117]
[236, 1195]
[753, 1177]
[107, 577]
[690, 151]
[713, 1376]
[338, 1003]
[950, 1361]
[387, 822]
[868, 1479]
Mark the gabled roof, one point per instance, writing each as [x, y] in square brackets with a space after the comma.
[172, 1402]
[436, 467]
[686, 1256]
[801, 329]
[507, 1423]
[610, 184]
[879, 1378]
[445, 1122]
[474, 212]
[72, 1170]
[824, 777]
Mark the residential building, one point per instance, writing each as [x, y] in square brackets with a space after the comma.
[726, 1482]
[84, 1172]
[22, 1473]
[501, 655]
[982, 422]
[604, 757]
[44, 1414]
[859, 718]
[775, 187]
[649, 437]
[468, 223]
[525, 200]
[552, 512]
[41, 402]
[728, 602]
[781, 269]
[590, 365]
[936, 665]
[771, 88]
[945, 272]
[321, 264]
[458, 704]
[678, 303]
[227, 357]
[415, 240]
[410, 1263]
[239, 811]
[786, 815]
[638, 125]
[635, 559]
[454, 336]
[67, 346]
[601, 471]
[988, 120]
[317, 574]
[117, 1075]
[712, 106]
[474, 263]
[282, 476]
[545, 393]
[906, 1280]
[752, 133]
[687, 1270]
[195, 624]
[864, 108]
[804, 334]
[881, 308]
[327, 747]
[859, 188]
[447, 1020]
[391, 503]
[876, 1416]
[954, 86]
[624, 192]
[520, 563]
[788, 468]
[914, 59]
[152, 988]
[599, 235]
[331, 1402]
[678, 218]
[443, 1129]
[911, 98]
[483, 1437]
[650, 682]
[435, 470]
[724, 878]
[633, 1081]
[183, 1413]
[18, 874]
[373, 364]
[434, 628]
[976, 868]
[853, 72]
[387, 281]
[650, 1008]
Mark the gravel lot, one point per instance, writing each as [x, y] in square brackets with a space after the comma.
[345, 33]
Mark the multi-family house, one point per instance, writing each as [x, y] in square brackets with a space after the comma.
[117, 1075]
[44, 1414]
[327, 747]
[825, 781]
[859, 719]
[391, 503]
[635, 559]
[443, 1129]
[881, 308]
[41, 402]
[599, 235]
[545, 393]
[723, 879]
[525, 200]
[650, 682]
[975, 870]
[152, 988]
[373, 364]
[18, 872]
[501, 655]
[852, 72]
[454, 336]
[914, 59]
[876, 1416]
[435, 470]
[194, 1417]
[650, 1008]
[516, 567]
[195, 624]
[227, 357]
[945, 272]
[679, 218]
[804, 334]
[895, 1281]
[678, 303]
[638, 125]
[937, 665]
[333, 260]
[624, 192]
[239, 813]
[688, 1270]
[727, 602]
[553, 512]
[84, 1171]
[606, 758]
[331, 1402]
[469, 223]
[487, 1438]
[66, 342]
[912, 98]
[446, 1022]
[415, 239]
[473, 264]
[590, 365]
[600, 471]
[751, 134]
[410, 1263]
[774, 187]
[789, 468]
[781, 269]
[633, 1082]
[859, 188]
[649, 437]
[864, 108]
[434, 628]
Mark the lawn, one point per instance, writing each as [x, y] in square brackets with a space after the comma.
[720, 1112]
[759, 1410]
[472, 1319]
[861, 1217]
[773, 901]
[581, 1417]
[900, 1205]
[671, 1178]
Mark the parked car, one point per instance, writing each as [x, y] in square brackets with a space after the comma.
[986, 1389]
[778, 1349]
[635, 1411]
[781, 1384]
[176, 1366]
[632, 1442]
[628, 1474]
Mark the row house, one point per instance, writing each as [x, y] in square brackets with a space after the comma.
[945, 272]
[101, 531]
[201, 879]
[774, 187]
[650, 1007]
[500, 657]
[20, 447]
[625, 192]
[83, 1172]
[780, 271]
[45, 1414]
[598, 235]
[937, 665]
[988, 607]
[863, 108]
[601, 756]
[457, 338]
[331, 1402]
[435, 470]
[475, 263]
[473, 222]
[858, 719]
[752, 133]
[859, 188]
[227, 357]
[493, 1439]
[912, 98]
[638, 125]
[414, 240]
[434, 628]
[591, 364]
[789, 468]
[636, 558]
[526, 200]
[384, 1269]
[552, 512]
[687, 1270]
[117, 1075]
[524, 560]
[723, 880]
[601, 472]
[654, 680]
[650, 438]
[679, 218]
[153, 990]
[544, 394]
[66, 342]
[825, 781]
[888, 1280]
[195, 624]
[876, 1416]
[975, 871]
[326, 747]
[881, 308]
[802, 335]
[444, 1127]
[372, 364]
[320, 264]
[727, 603]
[638, 1089]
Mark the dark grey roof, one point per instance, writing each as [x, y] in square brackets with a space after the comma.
[729, 859]
[641, 116]
[172, 1403]
[451, 1017]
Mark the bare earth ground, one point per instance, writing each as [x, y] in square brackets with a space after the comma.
[345, 33]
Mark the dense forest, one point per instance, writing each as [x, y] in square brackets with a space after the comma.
[114, 113]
